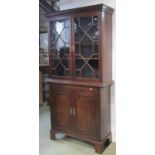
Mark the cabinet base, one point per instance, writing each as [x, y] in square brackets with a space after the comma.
[100, 146]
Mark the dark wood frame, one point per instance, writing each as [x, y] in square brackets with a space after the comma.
[72, 87]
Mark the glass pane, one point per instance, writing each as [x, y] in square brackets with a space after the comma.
[78, 34]
[53, 33]
[67, 56]
[65, 35]
[54, 37]
[94, 64]
[86, 22]
[55, 63]
[87, 72]
[93, 32]
[60, 44]
[66, 49]
[95, 56]
[67, 24]
[86, 41]
[95, 48]
[86, 51]
[65, 62]
[76, 21]
[79, 63]
[78, 57]
[77, 50]
[62, 52]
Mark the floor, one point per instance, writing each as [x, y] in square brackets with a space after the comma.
[63, 146]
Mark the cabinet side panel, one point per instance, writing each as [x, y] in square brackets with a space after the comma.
[107, 47]
[105, 112]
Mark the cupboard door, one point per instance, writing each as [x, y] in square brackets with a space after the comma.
[84, 111]
[86, 45]
[60, 47]
[61, 109]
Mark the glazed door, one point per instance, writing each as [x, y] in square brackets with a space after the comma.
[75, 52]
[59, 47]
[86, 47]
[62, 108]
[84, 111]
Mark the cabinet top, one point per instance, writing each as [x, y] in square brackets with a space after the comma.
[98, 7]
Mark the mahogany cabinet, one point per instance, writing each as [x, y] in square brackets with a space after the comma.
[80, 70]
[74, 109]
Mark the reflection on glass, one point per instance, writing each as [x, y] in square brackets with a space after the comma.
[65, 35]
[54, 37]
[59, 25]
[95, 19]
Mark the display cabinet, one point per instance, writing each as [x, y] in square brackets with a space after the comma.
[80, 70]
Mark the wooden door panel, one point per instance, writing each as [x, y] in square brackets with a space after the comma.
[62, 106]
[84, 113]
[75, 109]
